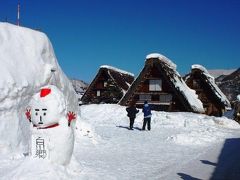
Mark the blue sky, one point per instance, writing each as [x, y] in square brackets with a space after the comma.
[89, 33]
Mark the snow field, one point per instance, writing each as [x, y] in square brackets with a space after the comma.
[174, 141]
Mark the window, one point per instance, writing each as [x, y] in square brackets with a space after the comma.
[98, 92]
[145, 97]
[155, 85]
[104, 84]
[165, 98]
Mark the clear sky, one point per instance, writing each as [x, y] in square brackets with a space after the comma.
[89, 33]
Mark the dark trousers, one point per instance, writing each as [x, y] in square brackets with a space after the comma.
[148, 122]
[131, 122]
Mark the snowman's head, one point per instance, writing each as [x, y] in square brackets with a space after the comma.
[47, 106]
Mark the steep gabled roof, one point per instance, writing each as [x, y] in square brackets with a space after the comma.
[210, 82]
[186, 95]
[121, 78]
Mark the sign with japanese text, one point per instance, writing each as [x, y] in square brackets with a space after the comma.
[40, 147]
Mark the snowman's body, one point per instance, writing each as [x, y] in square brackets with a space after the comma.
[52, 135]
[59, 142]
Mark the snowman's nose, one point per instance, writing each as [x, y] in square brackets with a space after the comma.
[40, 122]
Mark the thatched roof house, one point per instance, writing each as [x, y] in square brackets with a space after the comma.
[161, 85]
[108, 86]
[214, 101]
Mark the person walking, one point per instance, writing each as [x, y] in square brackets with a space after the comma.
[147, 116]
[236, 114]
[132, 111]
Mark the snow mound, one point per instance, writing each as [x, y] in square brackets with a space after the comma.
[37, 169]
[27, 63]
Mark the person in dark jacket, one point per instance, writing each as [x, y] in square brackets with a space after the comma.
[236, 114]
[132, 111]
[147, 116]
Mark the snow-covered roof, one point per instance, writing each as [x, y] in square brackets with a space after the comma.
[204, 70]
[116, 69]
[189, 94]
[170, 70]
[213, 85]
[122, 80]
[122, 83]
[163, 59]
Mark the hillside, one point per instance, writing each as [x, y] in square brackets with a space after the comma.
[220, 72]
[79, 86]
[230, 84]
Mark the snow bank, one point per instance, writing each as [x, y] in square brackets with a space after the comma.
[27, 63]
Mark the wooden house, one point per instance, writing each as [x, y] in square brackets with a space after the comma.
[161, 85]
[108, 86]
[214, 101]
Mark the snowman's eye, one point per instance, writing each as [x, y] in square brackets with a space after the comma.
[36, 111]
[44, 111]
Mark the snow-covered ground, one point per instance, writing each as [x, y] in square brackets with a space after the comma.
[176, 142]
[179, 145]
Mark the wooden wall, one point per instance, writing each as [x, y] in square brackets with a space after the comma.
[164, 100]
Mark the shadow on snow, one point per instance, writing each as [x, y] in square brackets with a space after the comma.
[126, 127]
[228, 165]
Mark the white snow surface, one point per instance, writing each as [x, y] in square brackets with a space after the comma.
[117, 70]
[217, 90]
[105, 149]
[27, 63]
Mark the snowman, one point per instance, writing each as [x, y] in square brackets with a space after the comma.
[51, 126]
